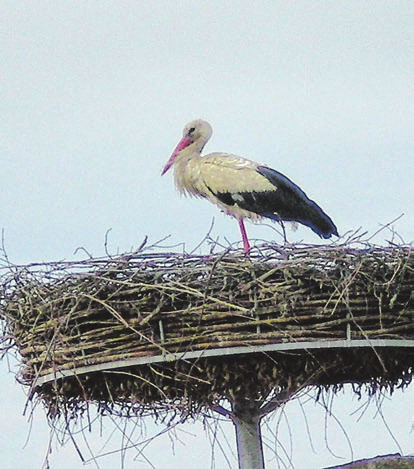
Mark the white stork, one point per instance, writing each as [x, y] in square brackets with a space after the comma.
[240, 187]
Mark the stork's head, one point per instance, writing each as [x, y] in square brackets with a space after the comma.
[196, 133]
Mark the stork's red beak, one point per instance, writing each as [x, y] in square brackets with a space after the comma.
[181, 145]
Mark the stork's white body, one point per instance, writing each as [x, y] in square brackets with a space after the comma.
[240, 187]
[205, 176]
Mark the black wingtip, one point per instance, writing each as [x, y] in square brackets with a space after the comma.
[288, 202]
[328, 230]
[324, 228]
[321, 223]
[328, 235]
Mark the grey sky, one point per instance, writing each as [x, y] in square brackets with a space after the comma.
[94, 96]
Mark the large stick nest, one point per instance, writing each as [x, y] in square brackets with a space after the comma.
[65, 316]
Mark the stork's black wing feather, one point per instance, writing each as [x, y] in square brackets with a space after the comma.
[287, 202]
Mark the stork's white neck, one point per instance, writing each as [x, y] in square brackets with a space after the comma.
[187, 168]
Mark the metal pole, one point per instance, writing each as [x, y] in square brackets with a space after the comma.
[246, 418]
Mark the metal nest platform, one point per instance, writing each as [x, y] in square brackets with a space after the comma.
[150, 332]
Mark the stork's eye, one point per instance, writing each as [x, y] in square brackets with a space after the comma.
[192, 130]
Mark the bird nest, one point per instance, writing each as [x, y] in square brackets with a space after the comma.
[155, 331]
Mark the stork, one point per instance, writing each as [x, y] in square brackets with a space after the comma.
[240, 187]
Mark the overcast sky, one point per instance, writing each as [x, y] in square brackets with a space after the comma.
[93, 99]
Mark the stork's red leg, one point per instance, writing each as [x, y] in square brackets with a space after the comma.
[246, 243]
